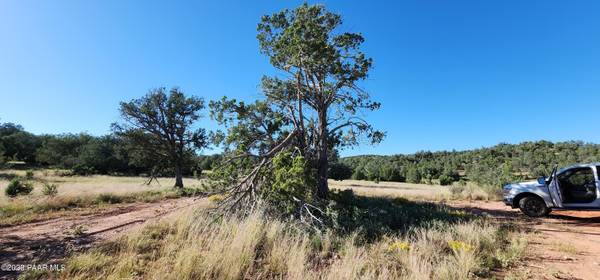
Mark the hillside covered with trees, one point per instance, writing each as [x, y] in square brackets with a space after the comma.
[492, 166]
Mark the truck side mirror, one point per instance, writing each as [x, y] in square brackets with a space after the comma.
[541, 180]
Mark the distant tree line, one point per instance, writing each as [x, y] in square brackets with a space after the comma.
[492, 166]
[114, 154]
[86, 154]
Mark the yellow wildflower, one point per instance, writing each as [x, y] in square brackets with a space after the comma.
[459, 246]
[399, 246]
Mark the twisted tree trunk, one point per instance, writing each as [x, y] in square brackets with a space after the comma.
[322, 160]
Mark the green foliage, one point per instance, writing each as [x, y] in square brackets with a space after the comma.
[206, 162]
[321, 98]
[339, 171]
[108, 154]
[2, 158]
[50, 189]
[82, 169]
[29, 174]
[17, 143]
[17, 187]
[493, 167]
[358, 174]
[292, 182]
[162, 127]
[445, 180]
[391, 173]
[413, 175]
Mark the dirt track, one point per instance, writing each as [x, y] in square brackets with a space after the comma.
[565, 245]
[47, 242]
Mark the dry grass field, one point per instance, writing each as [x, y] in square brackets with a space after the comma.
[394, 189]
[257, 248]
[82, 193]
[384, 231]
[417, 191]
[87, 192]
[89, 185]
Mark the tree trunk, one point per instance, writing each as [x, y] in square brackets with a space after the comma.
[322, 161]
[178, 177]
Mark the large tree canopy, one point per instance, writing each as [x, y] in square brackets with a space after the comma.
[163, 126]
[320, 95]
[17, 144]
[314, 108]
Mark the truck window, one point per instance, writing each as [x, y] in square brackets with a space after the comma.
[577, 185]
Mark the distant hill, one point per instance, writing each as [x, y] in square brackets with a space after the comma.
[493, 166]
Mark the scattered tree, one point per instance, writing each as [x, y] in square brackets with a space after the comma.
[162, 125]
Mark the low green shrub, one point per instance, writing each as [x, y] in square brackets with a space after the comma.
[445, 180]
[50, 189]
[83, 170]
[17, 187]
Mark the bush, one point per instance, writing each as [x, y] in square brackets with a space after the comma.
[391, 174]
[50, 189]
[339, 171]
[445, 180]
[81, 169]
[358, 174]
[16, 187]
[29, 174]
[413, 175]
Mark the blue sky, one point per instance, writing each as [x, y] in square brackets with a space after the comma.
[450, 74]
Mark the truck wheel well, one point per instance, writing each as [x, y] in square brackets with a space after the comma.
[522, 195]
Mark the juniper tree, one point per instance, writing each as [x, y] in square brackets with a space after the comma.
[321, 91]
[163, 126]
[315, 108]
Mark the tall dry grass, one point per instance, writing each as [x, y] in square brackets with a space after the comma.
[82, 192]
[457, 191]
[257, 247]
[393, 189]
[93, 185]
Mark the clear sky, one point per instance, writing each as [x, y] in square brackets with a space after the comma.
[450, 74]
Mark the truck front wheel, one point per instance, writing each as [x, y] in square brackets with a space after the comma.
[533, 206]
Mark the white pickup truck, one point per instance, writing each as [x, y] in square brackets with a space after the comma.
[576, 187]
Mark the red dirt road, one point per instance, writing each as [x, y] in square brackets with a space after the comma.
[565, 245]
[48, 242]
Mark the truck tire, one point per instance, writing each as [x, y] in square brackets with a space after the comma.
[533, 206]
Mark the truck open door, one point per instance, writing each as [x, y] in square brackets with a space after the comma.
[555, 189]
